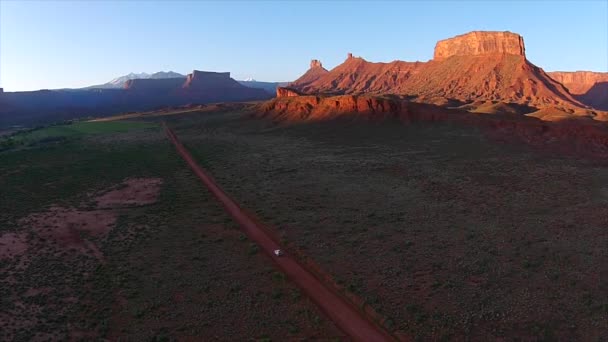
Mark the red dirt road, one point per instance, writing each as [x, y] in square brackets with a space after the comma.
[339, 310]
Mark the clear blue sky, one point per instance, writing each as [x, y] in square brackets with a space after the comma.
[78, 43]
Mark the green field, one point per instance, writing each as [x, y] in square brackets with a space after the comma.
[44, 171]
[71, 131]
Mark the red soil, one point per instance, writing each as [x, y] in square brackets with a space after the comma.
[66, 233]
[340, 311]
[74, 229]
[134, 192]
[69, 229]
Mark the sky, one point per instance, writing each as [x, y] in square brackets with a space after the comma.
[71, 44]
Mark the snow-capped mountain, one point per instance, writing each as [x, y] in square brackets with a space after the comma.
[119, 82]
[168, 74]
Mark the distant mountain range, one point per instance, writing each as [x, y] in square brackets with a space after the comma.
[270, 87]
[120, 82]
[127, 93]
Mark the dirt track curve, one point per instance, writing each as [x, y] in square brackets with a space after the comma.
[340, 311]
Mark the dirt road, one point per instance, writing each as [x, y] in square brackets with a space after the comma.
[339, 310]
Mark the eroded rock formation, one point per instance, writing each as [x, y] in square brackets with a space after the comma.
[591, 88]
[315, 72]
[315, 63]
[208, 79]
[480, 43]
[579, 82]
[486, 66]
[578, 135]
[287, 92]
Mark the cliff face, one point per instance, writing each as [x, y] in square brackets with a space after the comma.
[195, 80]
[287, 92]
[166, 84]
[486, 66]
[580, 137]
[579, 82]
[206, 79]
[315, 63]
[591, 88]
[480, 43]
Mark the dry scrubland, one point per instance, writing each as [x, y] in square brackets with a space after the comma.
[449, 234]
[105, 233]
[446, 233]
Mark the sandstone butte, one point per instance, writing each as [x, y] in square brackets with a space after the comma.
[474, 67]
[197, 87]
[196, 80]
[480, 43]
[479, 72]
[315, 71]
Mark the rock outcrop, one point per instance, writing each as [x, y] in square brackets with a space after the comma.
[579, 82]
[199, 80]
[479, 66]
[315, 63]
[148, 84]
[591, 88]
[480, 43]
[287, 92]
[579, 136]
[207, 79]
[315, 72]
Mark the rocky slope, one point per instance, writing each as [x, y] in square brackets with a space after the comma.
[476, 66]
[591, 88]
[315, 72]
[287, 92]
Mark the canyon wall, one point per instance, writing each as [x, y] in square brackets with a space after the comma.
[579, 82]
[480, 43]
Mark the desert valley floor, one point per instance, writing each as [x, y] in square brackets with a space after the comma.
[448, 234]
